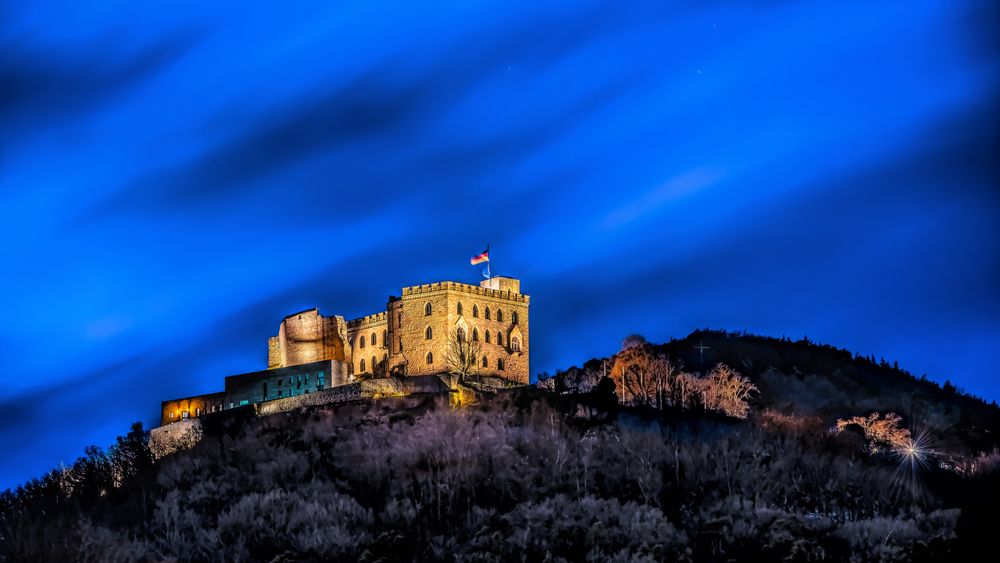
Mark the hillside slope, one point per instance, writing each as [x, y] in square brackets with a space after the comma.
[533, 475]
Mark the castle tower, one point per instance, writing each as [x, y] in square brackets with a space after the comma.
[418, 326]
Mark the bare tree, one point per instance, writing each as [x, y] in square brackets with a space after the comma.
[726, 391]
[642, 377]
[879, 430]
[462, 357]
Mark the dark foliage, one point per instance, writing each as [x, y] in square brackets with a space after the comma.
[527, 475]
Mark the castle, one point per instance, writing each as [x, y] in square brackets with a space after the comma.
[411, 337]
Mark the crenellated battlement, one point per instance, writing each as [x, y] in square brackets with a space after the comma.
[374, 319]
[465, 288]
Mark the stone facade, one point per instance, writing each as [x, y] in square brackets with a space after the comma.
[411, 337]
[395, 341]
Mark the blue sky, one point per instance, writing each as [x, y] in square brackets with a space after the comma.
[176, 178]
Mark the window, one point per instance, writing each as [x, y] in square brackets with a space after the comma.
[244, 402]
[486, 313]
[185, 414]
[427, 311]
[461, 333]
[515, 344]
[374, 364]
[499, 338]
[500, 364]
[362, 366]
[458, 309]
[430, 358]
[230, 404]
[399, 320]
[279, 393]
[279, 381]
[374, 339]
[486, 363]
[513, 318]
[499, 315]
[385, 339]
[362, 341]
[428, 333]
[487, 335]
[475, 310]
[197, 412]
[171, 416]
[263, 390]
[475, 335]
[400, 343]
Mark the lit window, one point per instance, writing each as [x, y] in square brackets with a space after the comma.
[197, 412]
[486, 313]
[428, 333]
[475, 310]
[244, 402]
[185, 414]
[171, 416]
[430, 358]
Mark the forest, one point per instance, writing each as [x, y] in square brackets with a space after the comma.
[759, 450]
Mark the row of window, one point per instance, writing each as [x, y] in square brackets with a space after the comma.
[374, 339]
[361, 365]
[486, 362]
[515, 342]
[475, 312]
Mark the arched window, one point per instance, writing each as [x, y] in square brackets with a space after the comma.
[486, 363]
[461, 333]
[513, 318]
[515, 344]
[499, 338]
[427, 309]
[475, 335]
[486, 313]
[385, 339]
[362, 341]
[458, 309]
[430, 358]
[428, 333]
[374, 364]
[374, 339]
[499, 315]
[500, 364]
[362, 367]
[475, 311]
[487, 335]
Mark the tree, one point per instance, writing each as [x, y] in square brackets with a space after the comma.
[642, 377]
[462, 357]
[726, 391]
[879, 430]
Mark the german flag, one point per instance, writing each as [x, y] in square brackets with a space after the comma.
[480, 258]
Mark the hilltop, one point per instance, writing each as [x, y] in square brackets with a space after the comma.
[558, 471]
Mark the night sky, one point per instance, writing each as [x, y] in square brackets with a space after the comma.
[176, 179]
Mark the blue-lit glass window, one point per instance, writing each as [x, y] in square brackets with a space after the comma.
[244, 402]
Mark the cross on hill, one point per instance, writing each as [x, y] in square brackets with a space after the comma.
[701, 351]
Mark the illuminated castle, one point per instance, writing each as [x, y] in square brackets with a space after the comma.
[411, 337]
